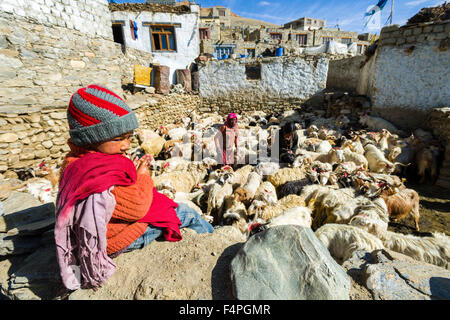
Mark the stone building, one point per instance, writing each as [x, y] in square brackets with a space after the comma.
[48, 50]
[216, 15]
[306, 23]
[170, 33]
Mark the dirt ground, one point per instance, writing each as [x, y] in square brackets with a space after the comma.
[434, 211]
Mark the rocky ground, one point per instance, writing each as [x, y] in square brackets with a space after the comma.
[196, 268]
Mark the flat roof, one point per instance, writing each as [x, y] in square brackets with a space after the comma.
[151, 7]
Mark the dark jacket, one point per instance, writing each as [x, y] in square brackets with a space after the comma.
[286, 145]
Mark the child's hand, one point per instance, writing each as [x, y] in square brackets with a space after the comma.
[142, 167]
[149, 158]
[143, 164]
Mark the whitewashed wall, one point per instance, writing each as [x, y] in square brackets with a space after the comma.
[409, 75]
[88, 16]
[281, 78]
[187, 36]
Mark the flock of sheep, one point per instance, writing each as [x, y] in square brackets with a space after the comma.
[345, 184]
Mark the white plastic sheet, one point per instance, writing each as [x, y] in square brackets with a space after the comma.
[353, 49]
[316, 50]
[336, 48]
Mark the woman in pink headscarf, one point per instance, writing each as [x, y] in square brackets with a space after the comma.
[228, 137]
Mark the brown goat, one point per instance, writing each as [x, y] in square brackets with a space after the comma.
[242, 195]
[426, 160]
[401, 204]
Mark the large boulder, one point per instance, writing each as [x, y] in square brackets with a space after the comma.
[18, 201]
[35, 277]
[287, 262]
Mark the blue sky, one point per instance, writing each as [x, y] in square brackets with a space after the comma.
[347, 13]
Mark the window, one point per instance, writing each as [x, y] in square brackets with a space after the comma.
[221, 51]
[360, 49]
[275, 36]
[308, 21]
[346, 40]
[163, 38]
[118, 32]
[251, 52]
[204, 33]
[253, 72]
[326, 39]
[222, 13]
[302, 39]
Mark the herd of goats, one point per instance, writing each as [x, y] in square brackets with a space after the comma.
[346, 182]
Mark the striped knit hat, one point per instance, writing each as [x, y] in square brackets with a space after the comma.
[96, 114]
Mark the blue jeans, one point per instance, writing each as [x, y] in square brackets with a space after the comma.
[188, 217]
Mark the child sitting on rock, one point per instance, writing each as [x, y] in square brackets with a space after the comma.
[107, 204]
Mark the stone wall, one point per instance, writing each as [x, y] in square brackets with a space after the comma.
[243, 104]
[409, 75]
[91, 17]
[439, 122]
[128, 59]
[344, 74]
[42, 65]
[165, 109]
[279, 79]
[27, 139]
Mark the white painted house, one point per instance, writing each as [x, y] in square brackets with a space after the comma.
[170, 33]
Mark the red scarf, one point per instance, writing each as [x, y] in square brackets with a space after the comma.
[162, 214]
[93, 173]
[96, 172]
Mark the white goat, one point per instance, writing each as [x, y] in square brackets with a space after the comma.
[372, 216]
[377, 124]
[216, 197]
[252, 184]
[266, 192]
[376, 160]
[284, 175]
[300, 216]
[342, 240]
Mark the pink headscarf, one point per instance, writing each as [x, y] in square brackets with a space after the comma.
[229, 117]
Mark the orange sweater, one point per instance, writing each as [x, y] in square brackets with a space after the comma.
[132, 204]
